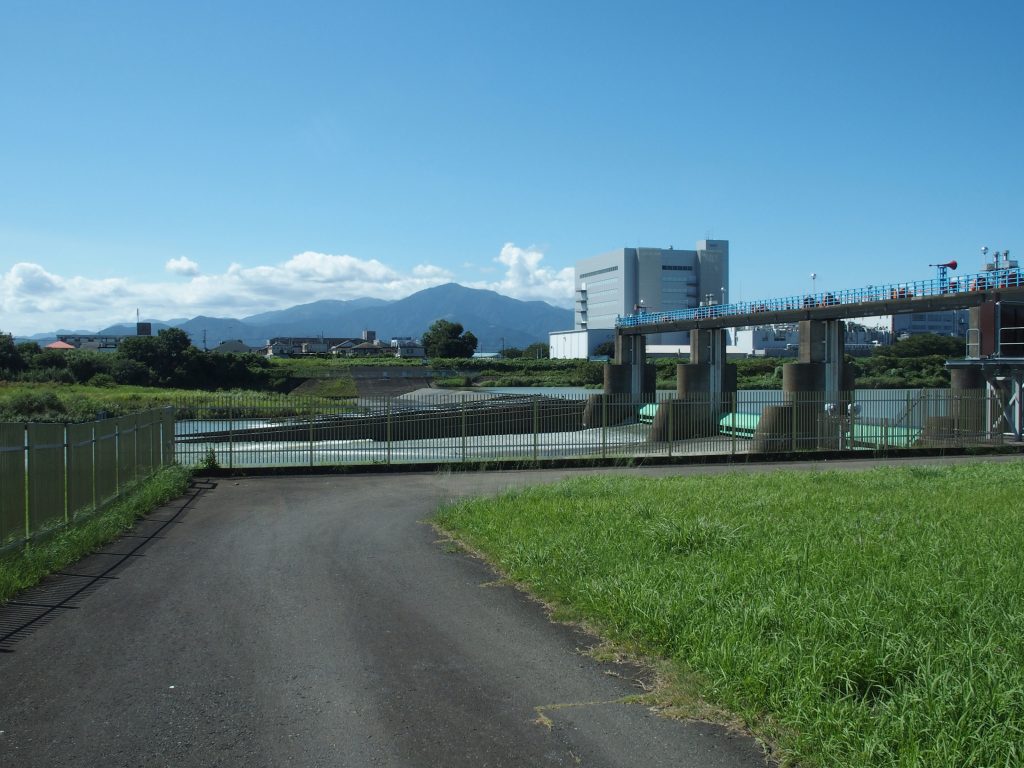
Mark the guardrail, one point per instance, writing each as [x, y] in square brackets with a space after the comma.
[982, 281]
[53, 474]
[452, 429]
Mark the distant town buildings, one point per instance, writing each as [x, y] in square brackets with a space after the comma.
[103, 342]
[366, 346]
[283, 346]
[291, 346]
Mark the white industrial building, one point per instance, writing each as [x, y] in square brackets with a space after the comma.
[627, 279]
[576, 345]
[783, 339]
[950, 323]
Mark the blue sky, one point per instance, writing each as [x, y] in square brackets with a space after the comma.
[226, 158]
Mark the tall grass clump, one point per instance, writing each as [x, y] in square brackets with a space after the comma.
[855, 619]
[24, 567]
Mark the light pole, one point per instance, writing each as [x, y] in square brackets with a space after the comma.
[814, 278]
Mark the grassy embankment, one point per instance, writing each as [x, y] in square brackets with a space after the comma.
[23, 567]
[518, 372]
[881, 371]
[852, 619]
[71, 403]
[79, 402]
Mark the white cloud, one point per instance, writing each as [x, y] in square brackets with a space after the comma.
[33, 279]
[429, 271]
[182, 266]
[28, 290]
[525, 278]
[323, 267]
[34, 300]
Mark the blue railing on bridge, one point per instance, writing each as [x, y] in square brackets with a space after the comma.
[982, 281]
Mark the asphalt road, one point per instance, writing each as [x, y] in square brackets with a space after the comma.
[317, 621]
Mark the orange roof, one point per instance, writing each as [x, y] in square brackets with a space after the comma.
[60, 345]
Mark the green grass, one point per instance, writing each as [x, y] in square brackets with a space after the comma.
[318, 367]
[81, 402]
[69, 403]
[343, 388]
[77, 402]
[25, 566]
[853, 619]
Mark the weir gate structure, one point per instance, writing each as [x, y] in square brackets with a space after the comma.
[818, 387]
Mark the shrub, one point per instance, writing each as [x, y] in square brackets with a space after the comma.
[454, 381]
[34, 406]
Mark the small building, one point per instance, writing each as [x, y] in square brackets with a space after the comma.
[950, 323]
[344, 348]
[275, 349]
[780, 340]
[59, 345]
[370, 349]
[407, 346]
[314, 347]
[94, 341]
[577, 344]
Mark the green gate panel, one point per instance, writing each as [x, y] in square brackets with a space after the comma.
[155, 439]
[167, 434]
[12, 482]
[143, 445]
[81, 465]
[46, 475]
[105, 458]
[127, 427]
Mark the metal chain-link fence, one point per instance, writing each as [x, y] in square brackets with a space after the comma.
[52, 474]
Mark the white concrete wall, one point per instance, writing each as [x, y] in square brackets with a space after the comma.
[576, 345]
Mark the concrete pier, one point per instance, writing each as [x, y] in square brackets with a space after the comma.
[705, 390]
[628, 381]
[818, 392]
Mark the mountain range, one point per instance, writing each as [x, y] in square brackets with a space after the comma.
[495, 320]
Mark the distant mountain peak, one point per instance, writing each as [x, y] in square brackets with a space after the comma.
[495, 319]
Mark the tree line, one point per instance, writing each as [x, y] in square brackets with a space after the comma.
[169, 360]
[165, 360]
